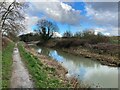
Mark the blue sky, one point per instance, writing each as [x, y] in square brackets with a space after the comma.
[75, 16]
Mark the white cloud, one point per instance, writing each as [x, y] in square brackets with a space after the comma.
[66, 7]
[97, 30]
[56, 34]
[29, 22]
[113, 31]
[108, 31]
[107, 34]
[104, 72]
[57, 11]
[104, 15]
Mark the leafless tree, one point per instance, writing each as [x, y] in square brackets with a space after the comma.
[11, 17]
[46, 29]
[67, 34]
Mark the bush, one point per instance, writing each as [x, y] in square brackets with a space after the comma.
[91, 38]
[107, 48]
[64, 43]
[67, 34]
[72, 42]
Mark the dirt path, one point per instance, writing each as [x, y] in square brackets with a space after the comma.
[20, 76]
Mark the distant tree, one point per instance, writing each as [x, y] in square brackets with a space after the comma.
[25, 37]
[78, 34]
[29, 37]
[88, 34]
[100, 34]
[94, 39]
[11, 17]
[67, 34]
[46, 29]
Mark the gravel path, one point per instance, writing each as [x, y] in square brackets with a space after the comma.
[20, 76]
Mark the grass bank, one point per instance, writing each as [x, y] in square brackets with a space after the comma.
[7, 64]
[102, 58]
[42, 75]
[105, 53]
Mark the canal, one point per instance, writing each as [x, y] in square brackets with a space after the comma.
[88, 71]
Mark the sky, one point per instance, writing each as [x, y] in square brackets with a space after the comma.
[75, 16]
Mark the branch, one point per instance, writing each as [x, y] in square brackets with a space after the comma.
[6, 14]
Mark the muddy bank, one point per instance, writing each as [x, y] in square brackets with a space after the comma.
[60, 71]
[103, 59]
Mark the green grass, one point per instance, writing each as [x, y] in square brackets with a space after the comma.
[0, 62]
[7, 65]
[39, 71]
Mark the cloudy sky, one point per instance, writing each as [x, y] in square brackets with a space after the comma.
[75, 16]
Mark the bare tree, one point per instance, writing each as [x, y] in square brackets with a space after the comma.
[46, 29]
[67, 34]
[11, 14]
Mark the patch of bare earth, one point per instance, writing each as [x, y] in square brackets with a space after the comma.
[20, 76]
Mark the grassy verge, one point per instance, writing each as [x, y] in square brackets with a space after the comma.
[7, 65]
[41, 74]
[0, 61]
[103, 59]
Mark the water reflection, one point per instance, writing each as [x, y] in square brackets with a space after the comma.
[69, 58]
[87, 70]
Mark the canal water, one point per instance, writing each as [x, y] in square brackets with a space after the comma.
[88, 71]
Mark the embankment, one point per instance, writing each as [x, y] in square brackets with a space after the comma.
[103, 59]
[105, 53]
[46, 72]
[7, 52]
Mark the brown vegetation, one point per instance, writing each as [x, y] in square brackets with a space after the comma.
[60, 72]
[102, 58]
[5, 42]
[106, 53]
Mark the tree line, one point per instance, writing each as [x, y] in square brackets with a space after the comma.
[46, 33]
[12, 23]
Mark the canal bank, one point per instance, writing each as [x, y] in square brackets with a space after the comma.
[88, 71]
[103, 59]
[54, 71]
[106, 54]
